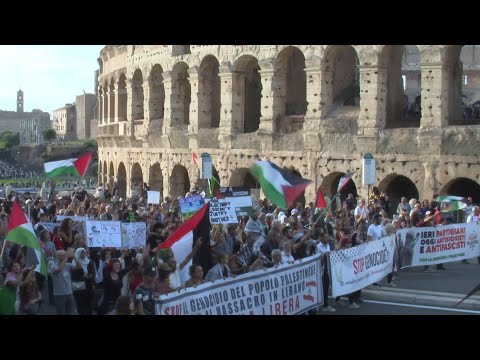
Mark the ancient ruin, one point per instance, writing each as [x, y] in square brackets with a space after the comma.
[315, 110]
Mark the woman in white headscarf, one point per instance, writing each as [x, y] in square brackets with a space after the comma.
[82, 281]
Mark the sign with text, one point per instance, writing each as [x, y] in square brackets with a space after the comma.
[239, 197]
[439, 244]
[206, 166]
[368, 170]
[357, 267]
[103, 233]
[190, 205]
[134, 235]
[153, 197]
[287, 290]
[222, 212]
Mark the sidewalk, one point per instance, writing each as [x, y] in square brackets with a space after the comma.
[442, 288]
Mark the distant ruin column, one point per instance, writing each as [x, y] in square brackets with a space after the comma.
[315, 107]
[130, 127]
[373, 106]
[267, 106]
[194, 108]
[100, 106]
[226, 111]
[434, 95]
[167, 114]
[147, 87]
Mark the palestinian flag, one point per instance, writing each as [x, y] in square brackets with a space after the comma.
[195, 160]
[20, 231]
[182, 240]
[344, 180]
[280, 186]
[451, 203]
[75, 166]
[321, 203]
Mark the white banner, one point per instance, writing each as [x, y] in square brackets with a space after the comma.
[60, 218]
[439, 244]
[222, 212]
[357, 267]
[134, 235]
[153, 197]
[103, 233]
[287, 290]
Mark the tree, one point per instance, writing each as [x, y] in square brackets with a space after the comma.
[49, 134]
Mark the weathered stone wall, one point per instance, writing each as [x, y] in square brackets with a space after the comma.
[331, 137]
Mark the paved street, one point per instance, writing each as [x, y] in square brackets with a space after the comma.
[369, 307]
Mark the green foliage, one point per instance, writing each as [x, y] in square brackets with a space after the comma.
[49, 134]
[9, 139]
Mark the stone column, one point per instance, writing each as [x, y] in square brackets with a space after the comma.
[268, 112]
[311, 126]
[434, 95]
[226, 110]
[130, 128]
[147, 86]
[373, 101]
[194, 108]
[100, 106]
[167, 115]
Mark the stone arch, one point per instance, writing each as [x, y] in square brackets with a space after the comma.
[181, 95]
[397, 106]
[462, 186]
[137, 96]
[241, 177]
[111, 101]
[136, 180]
[456, 113]
[111, 174]
[412, 84]
[179, 181]
[155, 179]
[396, 186]
[329, 186]
[247, 94]
[290, 89]
[209, 93]
[122, 180]
[105, 102]
[470, 96]
[157, 93]
[122, 98]
[341, 63]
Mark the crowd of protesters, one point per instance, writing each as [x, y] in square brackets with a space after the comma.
[9, 171]
[87, 281]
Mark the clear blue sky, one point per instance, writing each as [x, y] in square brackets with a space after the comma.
[49, 75]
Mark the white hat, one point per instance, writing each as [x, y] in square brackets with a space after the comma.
[295, 211]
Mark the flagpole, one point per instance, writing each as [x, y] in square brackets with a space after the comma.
[326, 209]
[3, 248]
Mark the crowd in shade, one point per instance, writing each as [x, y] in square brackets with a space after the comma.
[9, 171]
[91, 280]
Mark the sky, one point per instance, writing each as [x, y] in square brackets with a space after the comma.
[49, 75]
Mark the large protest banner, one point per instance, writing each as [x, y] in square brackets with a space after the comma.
[354, 268]
[134, 235]
[239, 197]
[287, 290]
[222, 212]
[439, 244]
[103, 233]
[190, 205]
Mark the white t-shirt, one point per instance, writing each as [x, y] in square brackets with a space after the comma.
[473, 218]
[376, 232]
[359, 210]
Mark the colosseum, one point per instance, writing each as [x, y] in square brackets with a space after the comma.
[312, 109]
